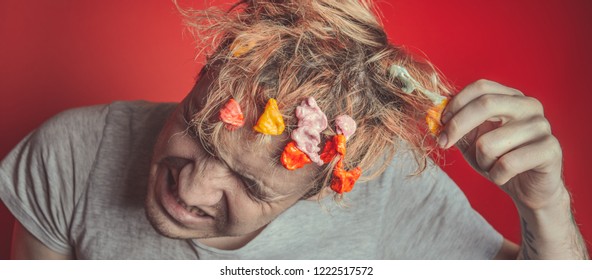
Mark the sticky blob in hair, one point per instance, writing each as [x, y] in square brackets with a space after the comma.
[333, 50]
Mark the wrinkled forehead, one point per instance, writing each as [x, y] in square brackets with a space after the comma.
[258, 158]
[249, 153]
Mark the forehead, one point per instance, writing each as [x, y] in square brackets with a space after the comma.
[254, 155]
[259, 160]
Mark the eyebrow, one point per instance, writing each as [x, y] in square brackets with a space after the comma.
[256, 187]
[174, 161]
[252, 184]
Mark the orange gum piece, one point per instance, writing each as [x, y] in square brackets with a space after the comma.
[271, 121]
[343, 180]
[232, 115]
[293, 158]
[332, 147]
[433, 117]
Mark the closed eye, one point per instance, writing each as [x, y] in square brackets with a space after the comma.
[254, 189]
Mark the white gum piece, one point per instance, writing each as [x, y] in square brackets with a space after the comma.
[434, 97]
[402, 74]
[410, 84]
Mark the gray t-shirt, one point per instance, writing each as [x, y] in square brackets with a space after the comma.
[78, 184]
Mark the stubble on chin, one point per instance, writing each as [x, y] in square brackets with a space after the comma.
[156, 219]
[162, 224]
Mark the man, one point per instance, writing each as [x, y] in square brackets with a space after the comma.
[78, 183]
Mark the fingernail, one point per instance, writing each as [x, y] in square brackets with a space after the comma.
[442, 140]
[445, 117]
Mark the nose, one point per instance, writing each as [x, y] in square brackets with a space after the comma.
[202, 186]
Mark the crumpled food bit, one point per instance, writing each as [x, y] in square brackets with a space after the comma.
[271, 121]
[344, 180]
[293, 158]
[238, 47]
[345, 125]
[409, 84]
[433, 117]
[311, 122]
[332, 147]
[401, 73]
[232, 115]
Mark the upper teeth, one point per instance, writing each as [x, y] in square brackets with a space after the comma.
[192, 209]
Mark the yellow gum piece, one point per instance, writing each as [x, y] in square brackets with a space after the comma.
[238, 48]
[271, 121]
[433, 117]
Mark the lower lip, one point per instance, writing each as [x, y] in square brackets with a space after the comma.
[179, 213]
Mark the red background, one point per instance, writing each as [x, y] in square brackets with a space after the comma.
[60, 54]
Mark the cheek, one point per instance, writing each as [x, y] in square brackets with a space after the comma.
[163, 140]
[246, 215]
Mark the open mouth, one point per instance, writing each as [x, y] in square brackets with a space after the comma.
[178, 210]
[191, 209]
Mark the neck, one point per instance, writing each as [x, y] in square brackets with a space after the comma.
[230, 242]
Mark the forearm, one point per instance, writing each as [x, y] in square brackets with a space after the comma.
[551, 232]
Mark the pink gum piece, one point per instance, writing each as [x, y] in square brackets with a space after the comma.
[311, 122]
[345, 125]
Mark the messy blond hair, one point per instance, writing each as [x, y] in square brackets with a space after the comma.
[333, 50]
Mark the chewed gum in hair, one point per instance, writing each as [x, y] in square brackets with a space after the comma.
[311, 122]
[403, 75]
[231, 115]
[271, 121]
[239, 48]
[293, 158]
[433, 117]
[344, 180]
[332, 147]
[345, 125]
[410, 84]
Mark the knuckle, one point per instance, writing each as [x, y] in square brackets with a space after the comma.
[486, 102]
[484, 147]
[506, 164]
[481, 84]
[535, 104]
[518, 92]
[553, 148]
[542, 124]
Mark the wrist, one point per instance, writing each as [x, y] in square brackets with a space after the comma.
[554, 213]
[549, 225]
[549, 230]
[558, 201]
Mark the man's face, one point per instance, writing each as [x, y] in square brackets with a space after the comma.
[192, 194]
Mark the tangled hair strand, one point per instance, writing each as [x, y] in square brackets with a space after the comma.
[333, 50]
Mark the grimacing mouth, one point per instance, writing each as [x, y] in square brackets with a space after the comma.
[172, 186]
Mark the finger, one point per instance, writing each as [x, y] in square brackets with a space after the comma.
[494, 144]
[492, 107]
[473, 91]
[539, 156]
